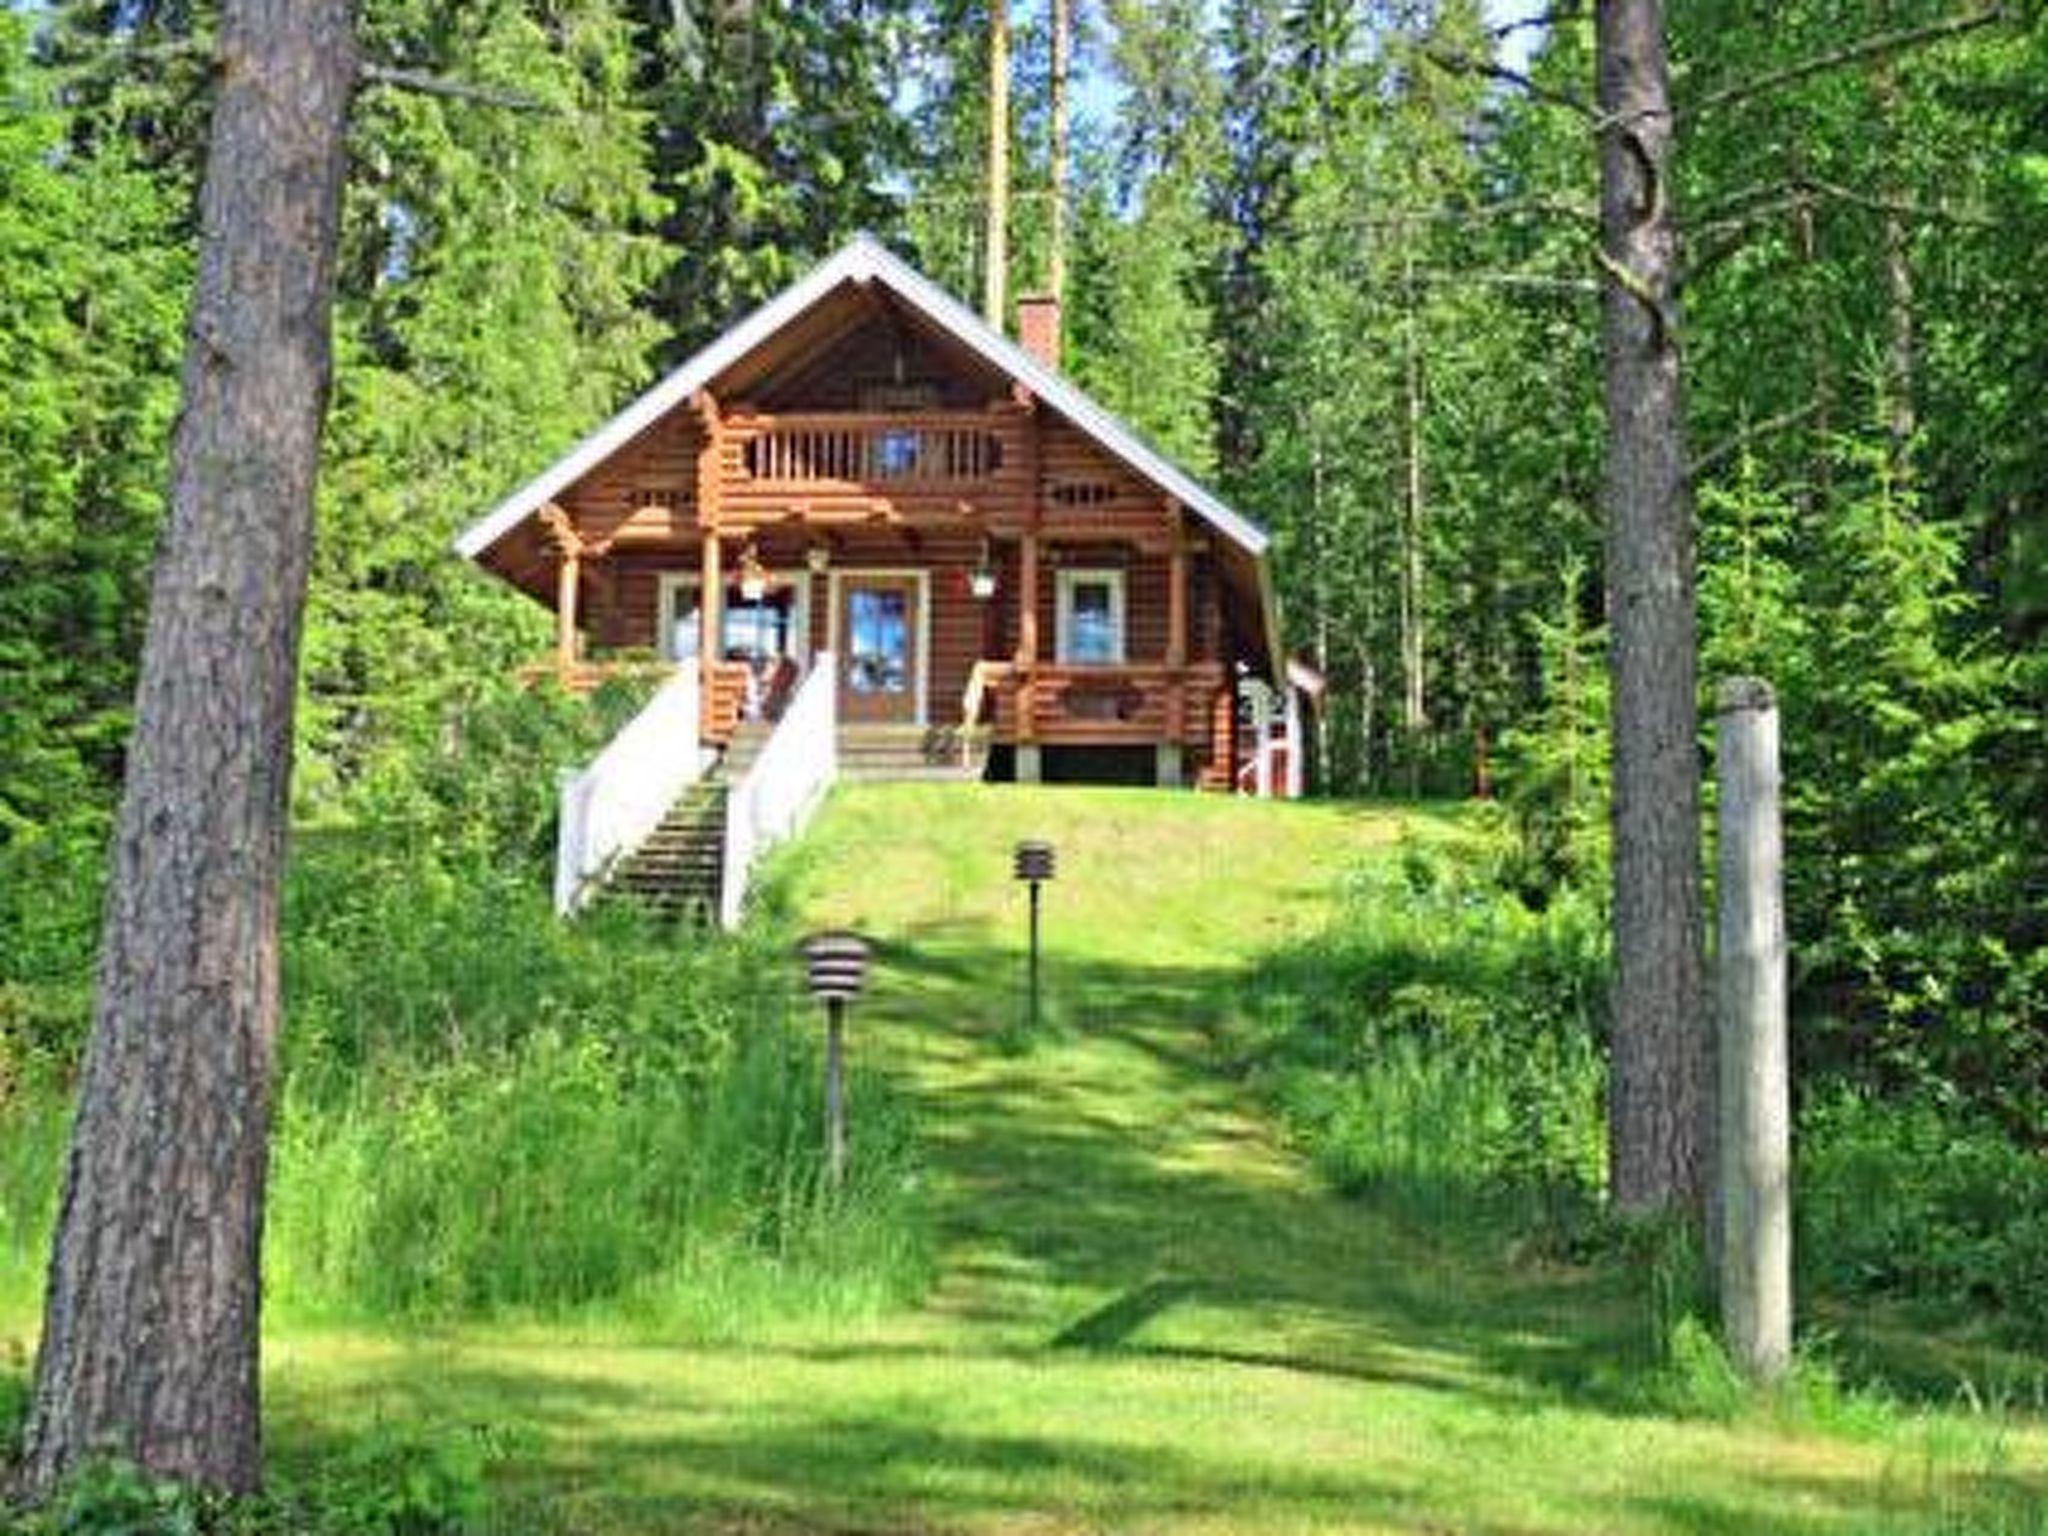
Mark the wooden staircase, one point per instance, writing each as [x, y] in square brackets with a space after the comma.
[916, 753]
[679, 871]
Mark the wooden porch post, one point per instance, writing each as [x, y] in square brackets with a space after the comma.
[568, 578]
[1176, 590]
[710, 595]
[710, 602]
[1027, 599]
[1296, 777]
[1176, 623]
[561, 533]
[1262, 736]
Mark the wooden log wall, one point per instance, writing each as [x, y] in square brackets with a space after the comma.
[1091, 513]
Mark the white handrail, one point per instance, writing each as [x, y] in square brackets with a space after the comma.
[609, 808]
[785, 784]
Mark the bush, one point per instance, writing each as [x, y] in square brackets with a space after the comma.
[484, 1111]
[50, 882]
[1913, 1199]
[393, 1482]
[1439, 1044]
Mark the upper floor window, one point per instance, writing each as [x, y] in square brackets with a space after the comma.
[1090, 617]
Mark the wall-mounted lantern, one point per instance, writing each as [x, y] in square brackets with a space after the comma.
[819, 558]
[753, 575]
[1034, 865]
[836, 967]
[981, 581]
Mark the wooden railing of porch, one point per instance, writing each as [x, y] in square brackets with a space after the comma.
[1055, 703]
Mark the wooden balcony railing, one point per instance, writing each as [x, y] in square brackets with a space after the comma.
[933, 450]
[1094, 705]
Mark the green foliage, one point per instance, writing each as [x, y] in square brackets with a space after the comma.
[1439, 1045]
[1554, 768]
[494, 264]
[486, 1112]
[1413, 395]
[1699, 1379]
[92, 291]
[1916, 1199]
[389, 1482]
[110, 1498]
[50, 881]
[1141, 328]
[1141, 340]
[773, 133]
[1904, 852]
[395, 1480]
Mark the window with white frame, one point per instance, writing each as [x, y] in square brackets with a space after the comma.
[1090, 616]
[751, 629]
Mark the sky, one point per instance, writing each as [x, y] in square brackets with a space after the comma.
[1518, 45]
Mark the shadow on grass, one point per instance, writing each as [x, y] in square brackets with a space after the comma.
[1117, 1159]
[1128, 1254]
[922, 1463]
[1109, 1208]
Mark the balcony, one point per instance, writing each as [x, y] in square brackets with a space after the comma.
[818, 458]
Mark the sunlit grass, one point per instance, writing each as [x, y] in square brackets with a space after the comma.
[1149, 1314]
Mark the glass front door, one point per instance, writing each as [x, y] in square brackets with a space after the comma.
[879, 623]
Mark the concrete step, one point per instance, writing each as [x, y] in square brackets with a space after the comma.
[910, 751]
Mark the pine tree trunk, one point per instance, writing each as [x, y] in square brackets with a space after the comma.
[1414, 698]
[996, 234]
[1658, 1098]
[150, 1330]
[1818, 492]
[1319, 586]
[1901, 418]
[1062, 64]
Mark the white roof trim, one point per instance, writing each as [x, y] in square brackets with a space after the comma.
[864, 259]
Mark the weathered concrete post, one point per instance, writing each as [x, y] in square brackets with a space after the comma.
[1755, 1133]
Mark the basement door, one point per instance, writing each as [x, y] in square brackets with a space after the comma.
[881, 627]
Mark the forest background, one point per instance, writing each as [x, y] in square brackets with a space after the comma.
[1337, 258]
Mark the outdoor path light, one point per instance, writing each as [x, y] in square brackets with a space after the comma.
[836, 964]
[1034, 865]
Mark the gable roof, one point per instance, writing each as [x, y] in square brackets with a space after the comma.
[863, 260]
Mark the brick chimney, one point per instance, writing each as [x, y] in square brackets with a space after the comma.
[1038, 327]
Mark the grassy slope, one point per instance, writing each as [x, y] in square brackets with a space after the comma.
[1147, 1316]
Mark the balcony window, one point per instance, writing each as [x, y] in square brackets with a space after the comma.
[1090, 628]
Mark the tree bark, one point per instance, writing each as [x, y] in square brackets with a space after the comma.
[996, 235]
[1659, 1095]
[1062, 65]
[150, 1328]
[1901, 419]
[1414, 512]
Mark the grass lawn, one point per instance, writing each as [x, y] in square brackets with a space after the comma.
[1146, 1316]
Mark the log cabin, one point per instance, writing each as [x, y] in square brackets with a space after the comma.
[864, 531]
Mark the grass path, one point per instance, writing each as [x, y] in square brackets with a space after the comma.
[1147, 1317]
